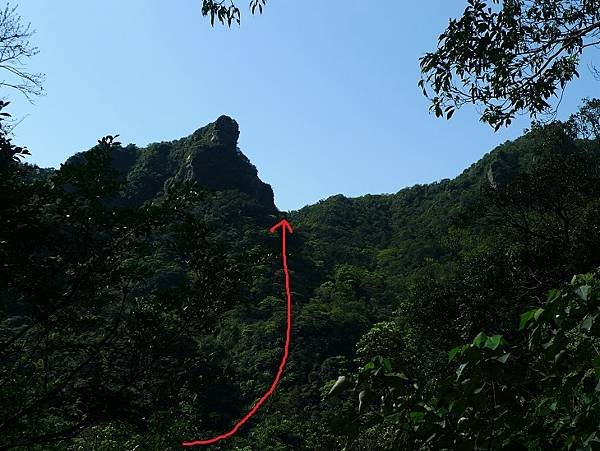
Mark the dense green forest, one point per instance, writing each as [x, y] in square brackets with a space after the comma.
[142, 297]
[142, 302]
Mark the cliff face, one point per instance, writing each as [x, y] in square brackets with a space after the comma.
[209, 156]
[215, 161]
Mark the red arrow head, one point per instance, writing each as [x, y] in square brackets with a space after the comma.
[283, 224]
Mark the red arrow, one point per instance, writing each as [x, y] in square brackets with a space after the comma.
[285, 227]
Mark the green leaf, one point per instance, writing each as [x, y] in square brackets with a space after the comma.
[546, 406]
[369, 366]
[525, 318]
[588, 321]
[503, 358]
[553, 295]
[417, 417]
[584, 292]
[387, 364]
[479, 339]
[453, 352]
[493, 342]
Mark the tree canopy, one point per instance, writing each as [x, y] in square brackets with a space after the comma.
[15, 49]
[509, 56]
[141, 300]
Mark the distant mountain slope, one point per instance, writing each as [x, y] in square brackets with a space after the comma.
[408, 227]
[397, 233]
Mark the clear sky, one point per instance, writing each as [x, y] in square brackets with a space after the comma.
[325, 92]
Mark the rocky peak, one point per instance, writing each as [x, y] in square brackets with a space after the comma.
[209, 156]
[223, 132]
[226, 131]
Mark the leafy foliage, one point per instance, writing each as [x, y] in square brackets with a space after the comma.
[141, 301]
[509, 56]
[15, 48]
[226, 12]
[540, 393]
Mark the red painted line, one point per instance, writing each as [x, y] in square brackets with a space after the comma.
[285, 227]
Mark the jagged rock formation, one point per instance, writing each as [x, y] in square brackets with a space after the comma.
[209, 156]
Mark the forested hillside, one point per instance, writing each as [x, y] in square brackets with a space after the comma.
[141, 301]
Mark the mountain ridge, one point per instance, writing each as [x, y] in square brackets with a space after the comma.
[209, 157]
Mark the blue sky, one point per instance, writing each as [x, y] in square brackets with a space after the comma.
[325, 92]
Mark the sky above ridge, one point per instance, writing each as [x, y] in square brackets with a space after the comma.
[325, 93]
